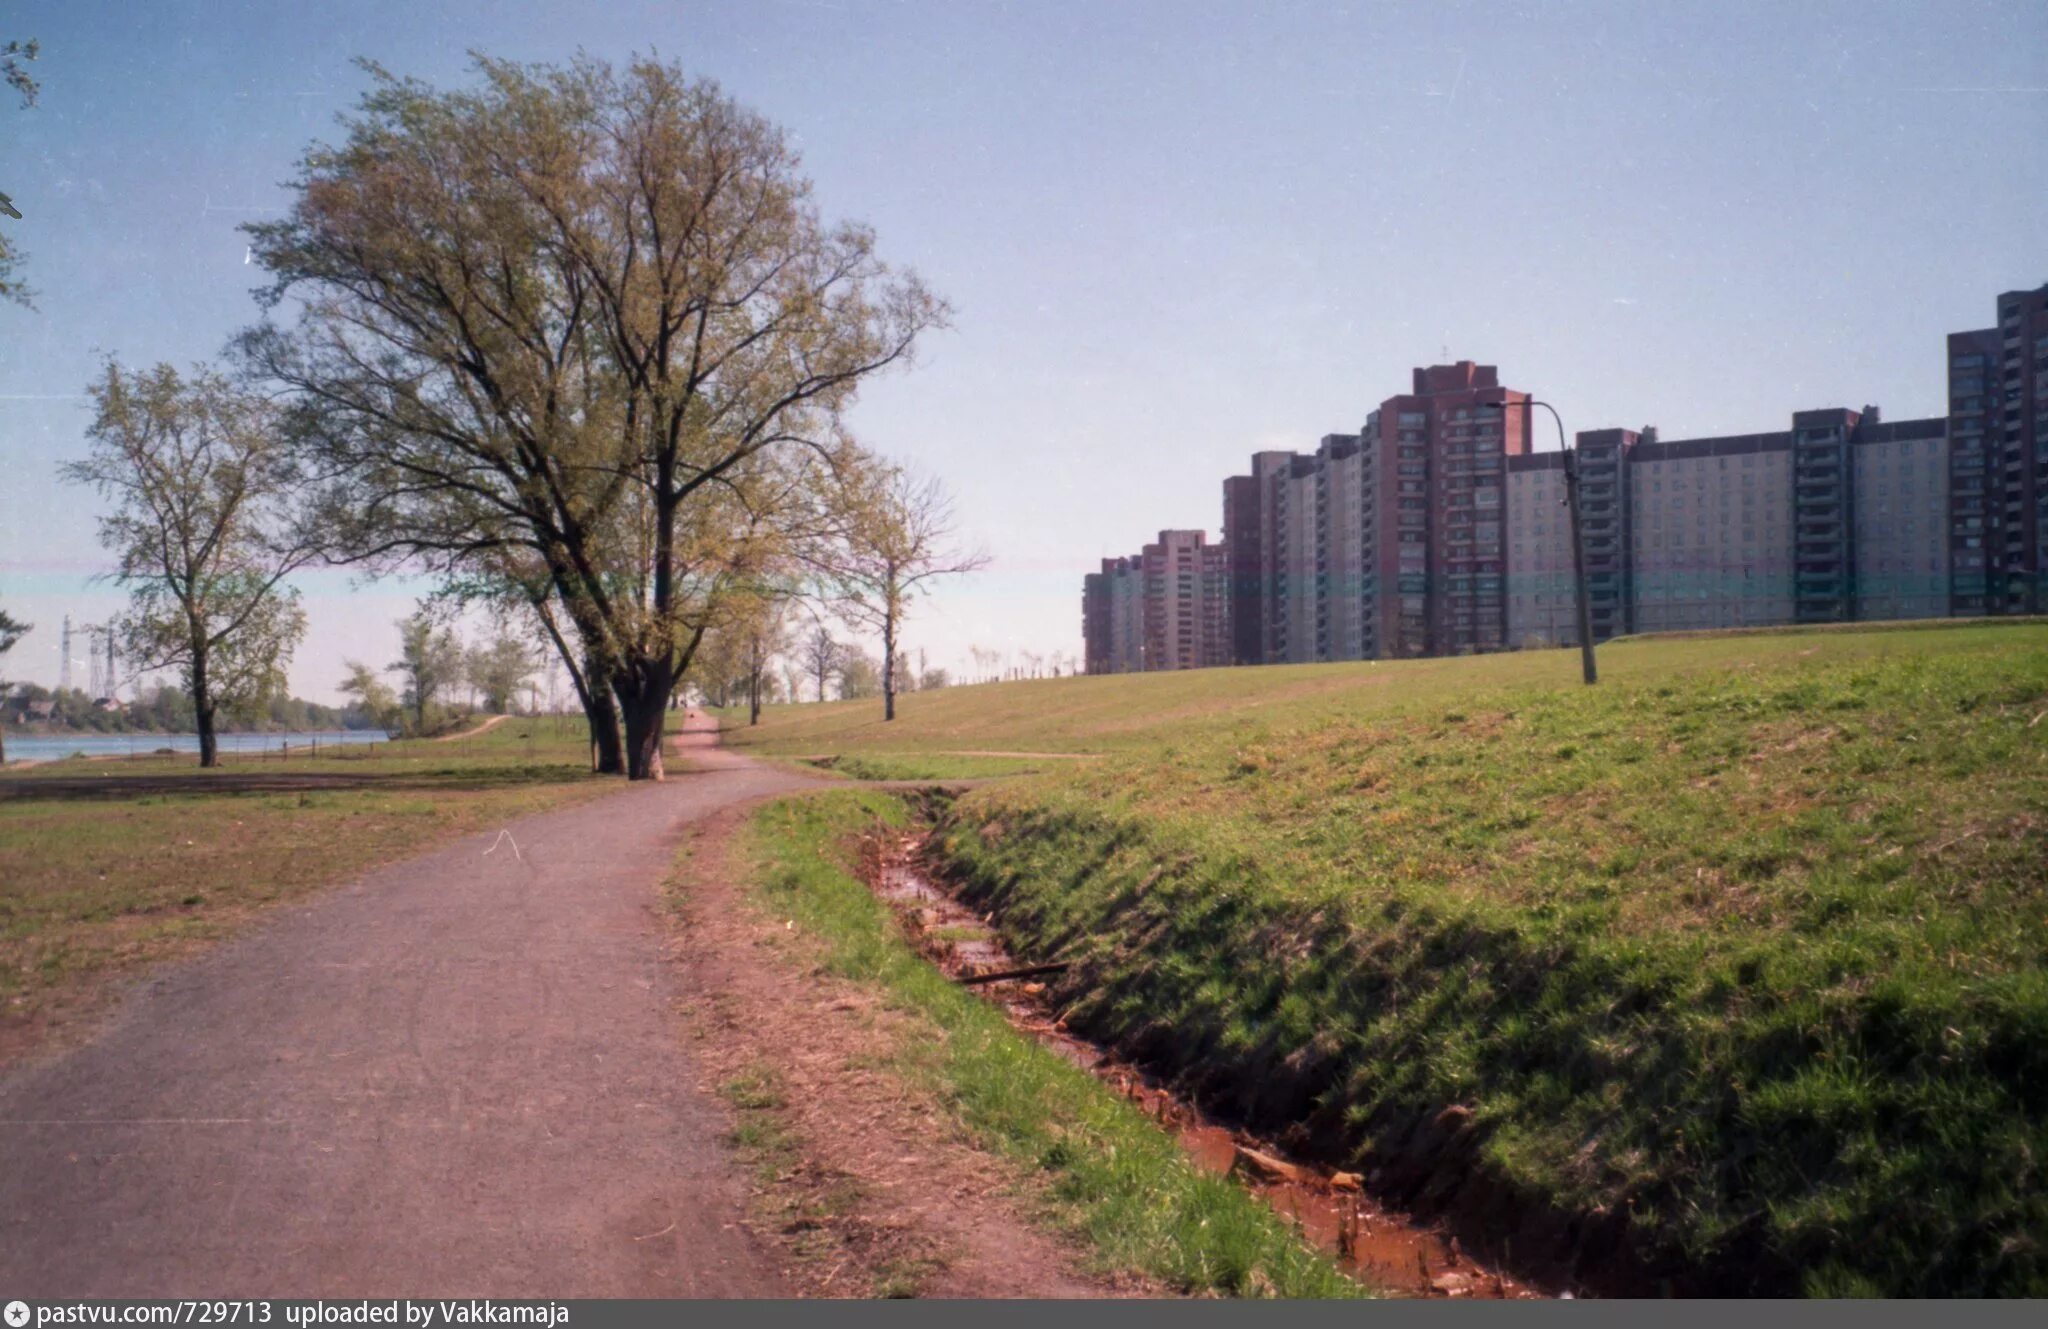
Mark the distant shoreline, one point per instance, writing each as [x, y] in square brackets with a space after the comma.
[137, 743]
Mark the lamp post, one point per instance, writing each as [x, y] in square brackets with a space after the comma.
[1571, 502]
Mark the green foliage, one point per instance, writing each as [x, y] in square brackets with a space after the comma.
[1115, 1176]
[431, 662]
[860, 677]
[499, 668]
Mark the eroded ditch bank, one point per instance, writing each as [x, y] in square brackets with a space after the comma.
[1381, 1246]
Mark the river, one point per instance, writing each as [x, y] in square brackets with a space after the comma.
[52, 747]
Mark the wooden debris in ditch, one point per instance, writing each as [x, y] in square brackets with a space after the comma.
[1027, 971]
[1269, 1168]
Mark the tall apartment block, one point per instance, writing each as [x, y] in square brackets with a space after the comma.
[1166, 607]
[1437, 530]
[1387, 542]
[1837, 518]
[1998, 512]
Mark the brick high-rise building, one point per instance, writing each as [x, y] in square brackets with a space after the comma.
[1249, 531]
[1166, 607]
[1387, 542]
[1441, 467]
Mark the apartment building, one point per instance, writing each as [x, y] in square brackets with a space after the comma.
[1112, 617]
[1998, 515]
[1710, 533]
[1839, 517]
[1542, 606]
[1387, 542]
[1165, 607]
[1437, 530]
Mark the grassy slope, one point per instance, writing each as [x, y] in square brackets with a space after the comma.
[1741, 953]
[1115, 1177]
[92, 886]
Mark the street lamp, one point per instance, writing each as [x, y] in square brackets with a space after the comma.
[1571, 502]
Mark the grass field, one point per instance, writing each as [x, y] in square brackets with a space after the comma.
[91, 887]
[1738, 961]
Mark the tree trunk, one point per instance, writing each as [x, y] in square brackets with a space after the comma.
[608, 753]
[202, 712]
[889, 668]
[643, 702]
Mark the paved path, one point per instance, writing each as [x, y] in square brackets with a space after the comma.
[459, 1075]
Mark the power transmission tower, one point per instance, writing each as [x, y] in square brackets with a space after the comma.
[64, 664]
[97, 662]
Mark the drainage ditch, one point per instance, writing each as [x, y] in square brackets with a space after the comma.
[1378, 1245]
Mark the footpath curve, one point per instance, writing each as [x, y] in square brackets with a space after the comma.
[458, 1075]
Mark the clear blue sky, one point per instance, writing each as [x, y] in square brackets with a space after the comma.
[1175, 232]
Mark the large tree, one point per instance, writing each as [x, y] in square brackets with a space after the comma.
[589, 313]
[12, 630]
[204, 529]
[898, 540]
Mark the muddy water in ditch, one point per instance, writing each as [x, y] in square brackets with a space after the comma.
[1380, 1247]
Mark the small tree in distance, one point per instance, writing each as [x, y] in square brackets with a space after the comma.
[203, 532]
[430, 661]
[11, 631]
[498, 669]
[373, 696]
[859, 676]
[898, 541]
[820, 656]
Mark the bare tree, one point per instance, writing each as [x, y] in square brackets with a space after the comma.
[591, 313]
[203, 531]
[820, 655]
[899, 539]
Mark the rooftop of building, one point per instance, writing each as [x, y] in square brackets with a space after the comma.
[1459, 377]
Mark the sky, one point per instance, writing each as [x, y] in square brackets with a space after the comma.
[1173, 233]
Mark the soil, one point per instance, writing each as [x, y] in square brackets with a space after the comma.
[925, 1199]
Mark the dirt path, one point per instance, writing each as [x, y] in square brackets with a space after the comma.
[460, 1075]
[927, 1209]
[486, 727]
